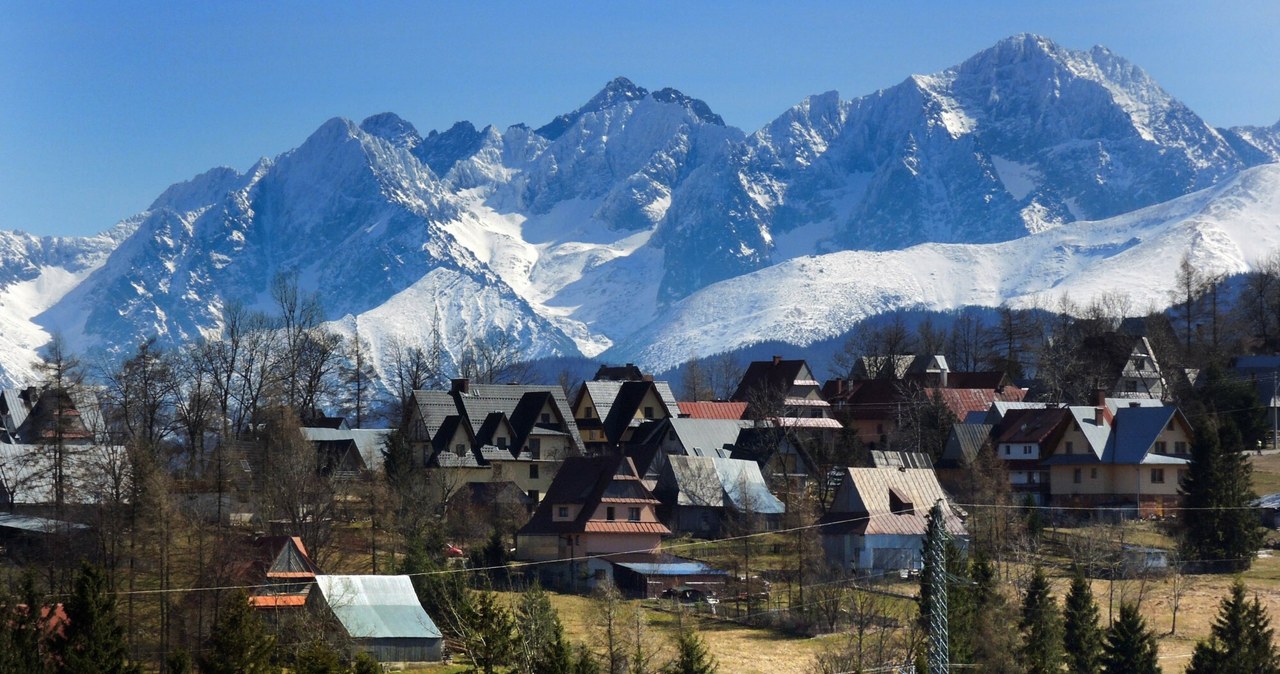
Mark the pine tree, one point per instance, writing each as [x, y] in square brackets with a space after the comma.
[691, 655]
[317, 657]
[584, 662]
[1081, 635]
[93, 641]
[961, 620]
[995, 647]
[1239, 641]
[239, 643]
[1224, 532]
[1041, 627]
[1130, 647]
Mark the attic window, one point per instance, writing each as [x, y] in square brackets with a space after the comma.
[460, 449]
[546, 417]
[1139, 364]
[648, 412]
[898, 502]
[502, 442]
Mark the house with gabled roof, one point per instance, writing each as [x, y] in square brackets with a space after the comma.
[784, 394]
[1130, 457]
[1023, 439]
[608, 412]
[280, 569]
[596, 506]
[698, 493]
[683, 437]
[381, 615]
[879, 516]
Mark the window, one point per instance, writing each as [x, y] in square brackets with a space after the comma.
[546, 417]
[533, 472]
[1139, 364]
[587, 414]
[460, 449]
[1130, 386]
[502, 442]
[533, 495]
[1157, 475]
[1093, 473]
[1008, 450]
[1070, 449]
[1077, 475]
[535, 448]
[648, 412]
[633, 514]
[562, 512]
[1026, 449]
[608, 513]
[1162, 447]
[1179, 447]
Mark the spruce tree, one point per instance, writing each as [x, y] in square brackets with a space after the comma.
[995, 647]
[489, 635]
[239, 643]
[692, 656]
[1081, 635]
[1041, 628]
[543, 646]
[1224, 533]
[93, 641]
[1130, 647]
[1239, 641]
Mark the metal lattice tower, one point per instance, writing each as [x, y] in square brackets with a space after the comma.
[939, 637]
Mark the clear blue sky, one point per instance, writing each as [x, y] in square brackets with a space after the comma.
[104, 104]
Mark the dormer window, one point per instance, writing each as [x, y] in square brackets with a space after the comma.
[899, 503]
[609, 513]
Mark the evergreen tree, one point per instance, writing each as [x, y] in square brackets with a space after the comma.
[365, 664]
[1041, 627]
[691, 655]
[1224, 532]
[317, 657]
[960, 611]
[543, 647]
[93, 641]
[489, 635]
[1130, 647]
[239, 643]
[1081, 635]
[995, 647]
[1239, 641]
[584, 662]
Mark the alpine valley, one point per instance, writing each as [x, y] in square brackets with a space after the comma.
[641, 227]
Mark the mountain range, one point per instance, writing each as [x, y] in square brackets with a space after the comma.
[641, 227]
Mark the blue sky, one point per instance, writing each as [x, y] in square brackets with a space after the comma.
[104, 104]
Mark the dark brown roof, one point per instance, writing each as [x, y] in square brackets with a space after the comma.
[1032, 426]
[586, 482]
[628, 372]
[767, 376]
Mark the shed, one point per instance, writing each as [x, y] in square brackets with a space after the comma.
[382, 615]
[648, 576]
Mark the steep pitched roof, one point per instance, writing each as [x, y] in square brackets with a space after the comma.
[480, 400]
[764, 376]
[865, 503]
[1031, 426]
[963, 444]
[719, 483]
[1136, 430]
[377, 607]
[587, 482]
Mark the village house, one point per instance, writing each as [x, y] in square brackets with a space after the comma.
[381, 615]
[1023, 439]
[596, 506]
[879, 516]
[281, 571]
[650, 448]
[784, 394]
[608, 409]
[1131, 457]
[344, 451]
[703, 495]
[494, 433]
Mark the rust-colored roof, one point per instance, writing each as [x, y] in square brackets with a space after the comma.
[586, 482]
[278, 600]
[863, 503]
[712, 410]
[626, 527]
[962, 401]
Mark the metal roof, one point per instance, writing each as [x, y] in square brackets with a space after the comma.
[963, 444]
[708, 434]
[720, 483]
[377, 607]
[42, 525]
[678, 567]
[26, 472]
[713, 410]
[1136, 430]
[369, 441]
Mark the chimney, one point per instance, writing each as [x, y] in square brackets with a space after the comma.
[1100, 415]
[777, 360]
[462, 386]
[1100, 397]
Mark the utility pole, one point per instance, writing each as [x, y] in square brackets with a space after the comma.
[939, 636]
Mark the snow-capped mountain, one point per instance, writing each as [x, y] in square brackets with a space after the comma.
[642, 227]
